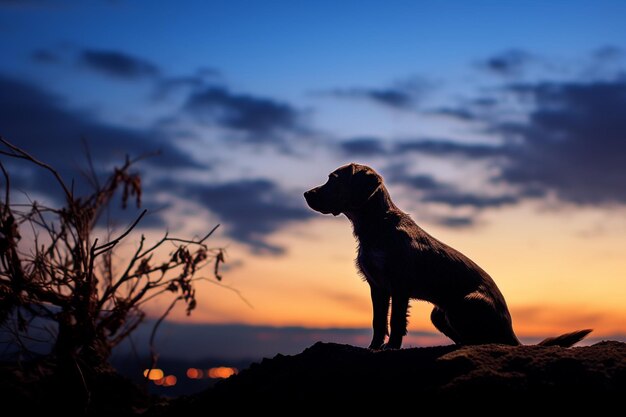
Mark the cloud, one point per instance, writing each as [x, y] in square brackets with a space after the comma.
[45, 56]
[43, 125]
[609, 53]
[434, 191]
[573, 143]
[454, 113]
[445, 147]
[456, 222]
[401, 96]
[165, 86]
[363, 146]
[118, 64]
[236, 341]
[251, 209]
[390, 97]
[26, 3]
[261, 119]
[508, 63]
[455, 198]
[398, 175]
[570, 143]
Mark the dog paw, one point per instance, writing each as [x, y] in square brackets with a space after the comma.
[391, 344]
[375, 345]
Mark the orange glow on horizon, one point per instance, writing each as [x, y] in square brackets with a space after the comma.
[169, 381]
[221, 372]
[153, 374]
[555, 275]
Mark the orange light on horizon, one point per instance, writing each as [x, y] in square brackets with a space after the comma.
[194, 373]
[221, 372]
[170, 381]
[153, 374]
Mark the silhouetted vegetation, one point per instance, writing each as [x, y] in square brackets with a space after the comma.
[53, 268]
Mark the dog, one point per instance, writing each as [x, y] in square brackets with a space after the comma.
[400, 261]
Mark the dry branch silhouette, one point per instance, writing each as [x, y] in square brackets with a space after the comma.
[62, 273]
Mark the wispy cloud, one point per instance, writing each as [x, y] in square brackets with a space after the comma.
[509, 63]
[363, 146]
[446, 147]
[252, 209]
[118, 64]
[57, 138]
[400, 96]
[260, 119]
[573, 141]
[45, 56]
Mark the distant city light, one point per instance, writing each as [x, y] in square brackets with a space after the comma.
[169, 381]
[154, 374]
[221, 372]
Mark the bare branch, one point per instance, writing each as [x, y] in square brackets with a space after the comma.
[63, 274]
[109, 245]
[21, 154]
[7, 191]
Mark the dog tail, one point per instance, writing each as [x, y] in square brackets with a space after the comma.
[567, 339]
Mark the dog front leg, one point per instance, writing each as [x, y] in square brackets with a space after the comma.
[399, 310]
[380, 305]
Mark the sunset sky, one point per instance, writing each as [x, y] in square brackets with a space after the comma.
[499, 126]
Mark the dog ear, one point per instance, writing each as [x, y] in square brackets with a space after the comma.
[365, 181]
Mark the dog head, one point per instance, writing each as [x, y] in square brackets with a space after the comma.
[348, 189]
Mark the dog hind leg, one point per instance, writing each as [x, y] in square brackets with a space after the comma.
[439, 319]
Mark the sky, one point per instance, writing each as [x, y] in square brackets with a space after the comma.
[498, 126]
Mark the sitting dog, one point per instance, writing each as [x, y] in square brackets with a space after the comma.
[401, 261]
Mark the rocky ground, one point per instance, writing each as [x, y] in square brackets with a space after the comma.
[480, 376]
[490, 379]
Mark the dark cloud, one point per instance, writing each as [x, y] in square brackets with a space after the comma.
[365, 146]
[259, 118]
[199, 341]
[609, 53]
[444, 147]
[118, 64]
[508, 63]
[401, 96]
[456, 222]
[571, 143]
[453, 198]
[455, 113]
[41, 124]
[394, 98]
[26, 3]
[44, 56]
[432, 190]
[168, 85]
[484, 102]
[420, 182]
[249, 209]
[574, 142]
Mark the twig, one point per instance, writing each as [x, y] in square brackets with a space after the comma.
[153, 354]
[20, 153]
[228, 287]
[7, 192]
[102, 248]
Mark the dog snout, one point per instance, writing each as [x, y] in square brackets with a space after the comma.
[310, 193]
[311, 198]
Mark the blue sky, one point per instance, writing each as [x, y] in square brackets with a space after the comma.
[487, 119]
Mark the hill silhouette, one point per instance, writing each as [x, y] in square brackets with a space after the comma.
[328, 372]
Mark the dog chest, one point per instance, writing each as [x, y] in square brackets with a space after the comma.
[371, 262]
